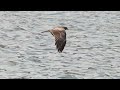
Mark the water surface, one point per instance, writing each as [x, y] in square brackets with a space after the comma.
[92, 50]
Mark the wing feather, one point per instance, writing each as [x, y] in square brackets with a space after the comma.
[60, 41]
[60, 38]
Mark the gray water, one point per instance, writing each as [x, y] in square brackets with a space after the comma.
[92, 50]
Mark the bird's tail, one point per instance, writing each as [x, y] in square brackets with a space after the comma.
[45, 31]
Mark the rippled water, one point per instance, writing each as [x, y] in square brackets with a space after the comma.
[92, 50]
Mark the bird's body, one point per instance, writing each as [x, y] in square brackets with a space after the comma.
[60, 37]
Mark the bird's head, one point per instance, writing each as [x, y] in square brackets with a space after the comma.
[65, 28]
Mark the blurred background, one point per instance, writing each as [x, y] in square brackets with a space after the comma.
[92, 50]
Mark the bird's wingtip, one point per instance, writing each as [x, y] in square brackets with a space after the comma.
[45, 31]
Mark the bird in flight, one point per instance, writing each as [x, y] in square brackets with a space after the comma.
[60, 37]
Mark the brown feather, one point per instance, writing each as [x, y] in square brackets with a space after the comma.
[60, 38]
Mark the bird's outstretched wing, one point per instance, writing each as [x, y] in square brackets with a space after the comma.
[60, 39]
